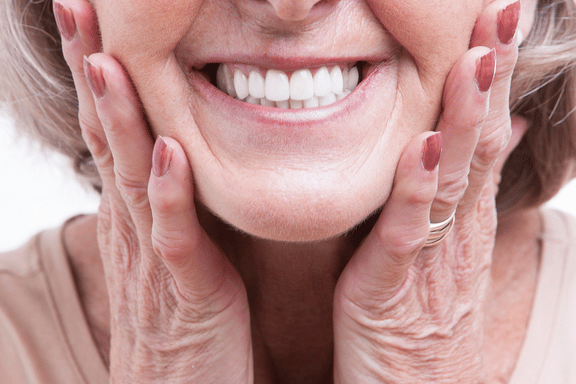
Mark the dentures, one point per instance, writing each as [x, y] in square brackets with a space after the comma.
[304, 88]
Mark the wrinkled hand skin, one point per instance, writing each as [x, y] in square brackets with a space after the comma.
[402, 313]
[178, 309]
[406, 314]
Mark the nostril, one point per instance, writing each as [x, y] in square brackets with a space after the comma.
[293, 10]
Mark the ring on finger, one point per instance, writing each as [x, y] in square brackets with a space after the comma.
[439, 231]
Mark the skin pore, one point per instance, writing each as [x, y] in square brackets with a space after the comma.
[323, 179]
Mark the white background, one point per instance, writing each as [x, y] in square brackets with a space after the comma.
[38, 190]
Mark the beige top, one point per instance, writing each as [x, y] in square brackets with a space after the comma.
[44, 337]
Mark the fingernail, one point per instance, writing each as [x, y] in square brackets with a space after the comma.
[431, 150]
[508, 22]
[94, 78]
[65, 21]
[161, 157]
[485, 71]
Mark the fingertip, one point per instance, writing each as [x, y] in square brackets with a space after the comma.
[65, 21]
[94, 78]
[170, 186]
[407, 210]
[485, 71]
[161, 157]
[466, 93]
[431, 151]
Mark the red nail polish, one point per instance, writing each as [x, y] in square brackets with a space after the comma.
[94, 78]
[508, 22]
[161, 157]
[485, 71]
[431, 150]
[65, 21]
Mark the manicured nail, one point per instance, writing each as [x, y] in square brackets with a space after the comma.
[161, 157]
[94, 78]
[431, 150]
[65, 20]
[485, 71]
[508, 22]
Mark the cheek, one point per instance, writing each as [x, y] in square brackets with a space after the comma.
[434, 32]
[143, 30]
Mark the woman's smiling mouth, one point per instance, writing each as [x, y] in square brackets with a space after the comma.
[296, 89]
[303, 88]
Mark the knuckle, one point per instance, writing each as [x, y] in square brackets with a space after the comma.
[173, 246]
[125, 246]
[489, 148]
[134, 193]
[421, 197]
[451, 191]
[165, 203]
[165, 247]
[402, 242]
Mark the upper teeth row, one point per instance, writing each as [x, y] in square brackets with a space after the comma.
[301, 89]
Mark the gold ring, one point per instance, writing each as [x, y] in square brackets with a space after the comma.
[439, 231]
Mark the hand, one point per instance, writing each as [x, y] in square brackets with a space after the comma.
[179, 311]
[408, 314]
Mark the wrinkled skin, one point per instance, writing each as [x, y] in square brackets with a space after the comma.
[387, 310]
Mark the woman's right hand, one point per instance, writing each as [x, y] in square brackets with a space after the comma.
[179, 311]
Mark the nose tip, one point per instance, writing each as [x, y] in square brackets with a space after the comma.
[293, 10]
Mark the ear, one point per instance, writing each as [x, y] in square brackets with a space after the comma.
[519, 128]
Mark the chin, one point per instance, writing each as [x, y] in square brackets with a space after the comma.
[304, 214]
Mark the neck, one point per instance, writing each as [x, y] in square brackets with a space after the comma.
[290, 288]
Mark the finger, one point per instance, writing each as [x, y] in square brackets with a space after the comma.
[127, 135]
[198, 266]
[465, 101]
[496, 28]
[380, 264]
[77, 24]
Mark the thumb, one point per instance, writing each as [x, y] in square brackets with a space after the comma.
[200, 269]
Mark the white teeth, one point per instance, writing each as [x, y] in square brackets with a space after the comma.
[283, 104]
[277, 85]
[322, 82]
[342, 95]
[296, 104]
[311, 103]
[336, 80]
[241, 84]
[256, 84]
[225, 81]
[300, 90]
[252, 100]
[326, 100]
[266, 102]
[352, 80]
[301, 85]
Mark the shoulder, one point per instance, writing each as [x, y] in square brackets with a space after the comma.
[558, 227]
[555, 304]
[40, 316]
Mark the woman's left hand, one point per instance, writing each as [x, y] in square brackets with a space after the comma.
[408, 314]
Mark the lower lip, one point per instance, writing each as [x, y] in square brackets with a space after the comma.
[289, 118]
